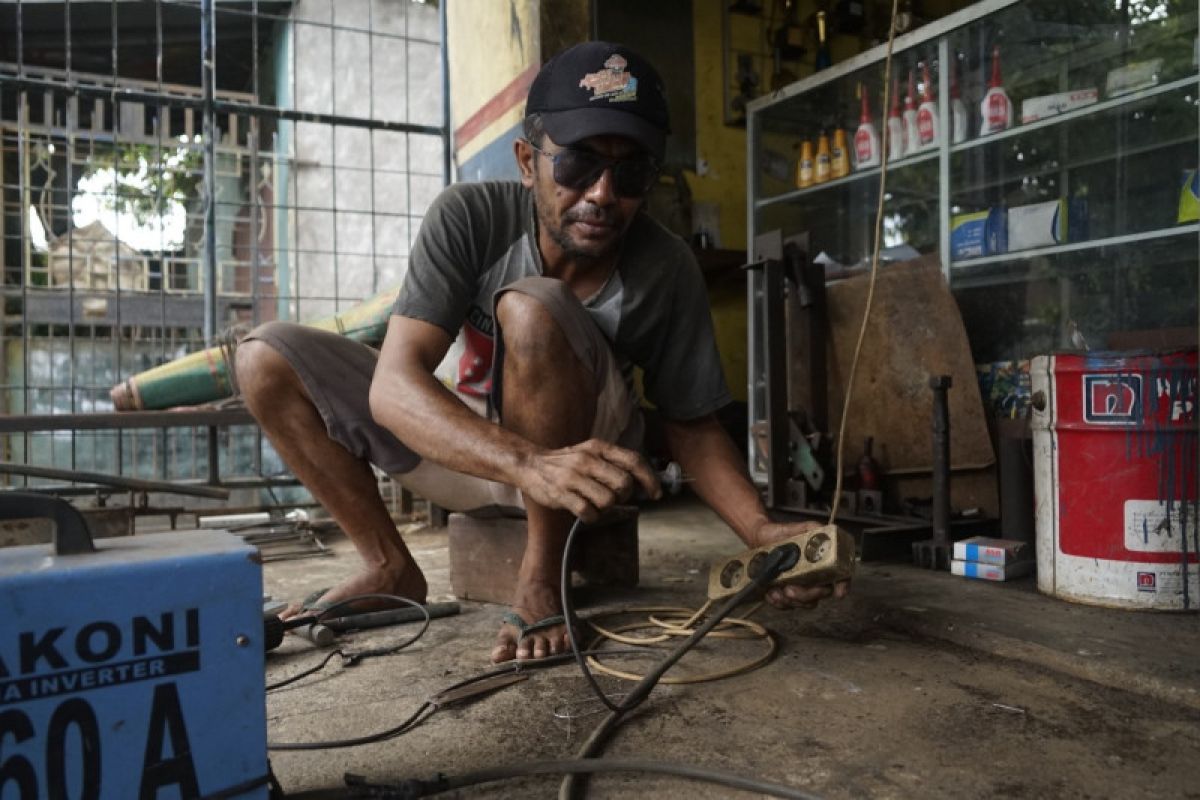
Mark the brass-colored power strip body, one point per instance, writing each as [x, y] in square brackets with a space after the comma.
[826, 556]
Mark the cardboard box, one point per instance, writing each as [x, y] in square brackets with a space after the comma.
[981, 233]
[1050, 105]
[990, 572]
[1037, 225]
[986, 550]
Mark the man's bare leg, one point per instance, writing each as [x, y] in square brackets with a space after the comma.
[342, 483]
[550, 399]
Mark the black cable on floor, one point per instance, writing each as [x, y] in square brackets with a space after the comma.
[442, 783]
[306, 672]
[570, 619]
[415, 718]
[334, 744]
[352, 659]
[779, 560]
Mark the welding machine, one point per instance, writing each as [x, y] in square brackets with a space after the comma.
[130, 667]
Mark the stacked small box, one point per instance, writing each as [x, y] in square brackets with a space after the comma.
[989, 559]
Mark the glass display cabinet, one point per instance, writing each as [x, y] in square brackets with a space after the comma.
[1068, 218]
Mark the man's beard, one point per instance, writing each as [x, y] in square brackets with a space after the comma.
[560, 236]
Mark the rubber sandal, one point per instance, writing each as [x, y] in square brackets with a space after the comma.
[524, 628]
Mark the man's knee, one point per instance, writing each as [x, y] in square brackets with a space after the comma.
[527, 326]
[257, 363]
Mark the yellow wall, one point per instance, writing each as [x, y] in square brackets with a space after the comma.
[489, 45]
[720, 149]
[720, 180]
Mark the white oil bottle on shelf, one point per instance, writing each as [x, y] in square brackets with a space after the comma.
[996, 110]
[927, 114]
[958, 109]
[866, 138]
[912, 135]
[895, 125]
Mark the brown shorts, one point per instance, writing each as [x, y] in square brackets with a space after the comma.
[337, 373]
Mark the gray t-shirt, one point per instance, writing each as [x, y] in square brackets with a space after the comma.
[479, 237]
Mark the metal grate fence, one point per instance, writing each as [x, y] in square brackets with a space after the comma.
[174, 168]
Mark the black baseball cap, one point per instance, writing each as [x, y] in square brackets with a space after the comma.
[601, 88]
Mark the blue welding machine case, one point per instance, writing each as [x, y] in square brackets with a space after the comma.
[132, 669]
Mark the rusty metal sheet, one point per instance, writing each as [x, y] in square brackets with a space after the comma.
[915, 331]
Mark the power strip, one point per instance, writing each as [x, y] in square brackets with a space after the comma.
[826, 556]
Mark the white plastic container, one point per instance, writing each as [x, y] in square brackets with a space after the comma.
[895, 126]
[996, 110]
[866, 138]
[912, 133]
[927, 113]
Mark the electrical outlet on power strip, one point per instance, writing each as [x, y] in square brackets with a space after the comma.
[826, 556]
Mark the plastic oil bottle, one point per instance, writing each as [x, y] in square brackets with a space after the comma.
[912, 134]
[805, 166]
[927, 114]
[958, 109]
[895, 125]
[866, 138]
[996, 109]
[824, 163]
[839, 164]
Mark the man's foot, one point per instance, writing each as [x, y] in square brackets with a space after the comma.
[408, 582]
[535, 602]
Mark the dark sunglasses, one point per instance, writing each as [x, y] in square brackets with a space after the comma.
[579, 169]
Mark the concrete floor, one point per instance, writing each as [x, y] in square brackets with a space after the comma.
[918, 684]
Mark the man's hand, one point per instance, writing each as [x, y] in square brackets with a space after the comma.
[587, 478]
[793, 596]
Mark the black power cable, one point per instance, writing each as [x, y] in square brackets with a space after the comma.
[569, 617]
[351, 659]
[411, 789]
[779, 560]
[429, 705]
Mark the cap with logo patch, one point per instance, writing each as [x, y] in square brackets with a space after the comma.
[597, 89]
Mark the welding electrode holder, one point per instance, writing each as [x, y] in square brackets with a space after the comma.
[324, 632]
[306, 626]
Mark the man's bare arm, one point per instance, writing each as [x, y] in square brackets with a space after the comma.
[719, 476]
[409, 401]
[709, 457]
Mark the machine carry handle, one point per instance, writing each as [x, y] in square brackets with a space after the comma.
[71, 534]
